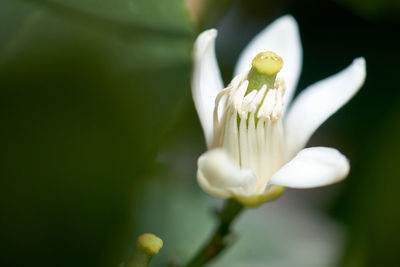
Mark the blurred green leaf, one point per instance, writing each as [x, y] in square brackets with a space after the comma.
[383, 9]
[88, 90]
[370, 209]
[169, 16]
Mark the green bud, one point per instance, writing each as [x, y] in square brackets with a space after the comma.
[265, 67]
[149, 243]
[147, 246]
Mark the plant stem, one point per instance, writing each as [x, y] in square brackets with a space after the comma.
[219, 239]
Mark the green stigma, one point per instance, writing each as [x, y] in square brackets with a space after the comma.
[265, 67]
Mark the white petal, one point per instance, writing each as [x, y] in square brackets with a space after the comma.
[206, 80]
[318, 102]
[220, 177]
[313, 167]
[282, 37]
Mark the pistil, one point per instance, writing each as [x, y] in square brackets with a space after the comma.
[265, 67]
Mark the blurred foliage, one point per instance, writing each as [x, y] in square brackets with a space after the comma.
[91, 90]
[371, 207]
[374, 9]
[88, 89]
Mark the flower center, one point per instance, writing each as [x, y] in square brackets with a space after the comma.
[247, 118]
[265, 67]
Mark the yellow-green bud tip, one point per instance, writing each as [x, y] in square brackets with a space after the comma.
[149, 243]
[267, 63]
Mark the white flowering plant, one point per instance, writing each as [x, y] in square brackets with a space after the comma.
[255, 133]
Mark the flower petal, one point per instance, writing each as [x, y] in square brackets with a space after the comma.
[206, 80]
[282, 37]
[219, 176]
[318, 102]
[313, 167]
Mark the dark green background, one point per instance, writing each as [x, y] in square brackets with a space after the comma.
[99, 137]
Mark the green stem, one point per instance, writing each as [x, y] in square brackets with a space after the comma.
[219, 239]
[139, 259]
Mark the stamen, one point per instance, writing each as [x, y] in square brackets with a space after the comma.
[238, 95]
[247, 119]
[243, 141]
[237, 80]
[267, 106]
[252, 144]
[257, 100]
[247, 101]
[262, 149]
[277, 110]
[231, 136]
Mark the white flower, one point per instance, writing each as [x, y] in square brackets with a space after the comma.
[255, 144]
